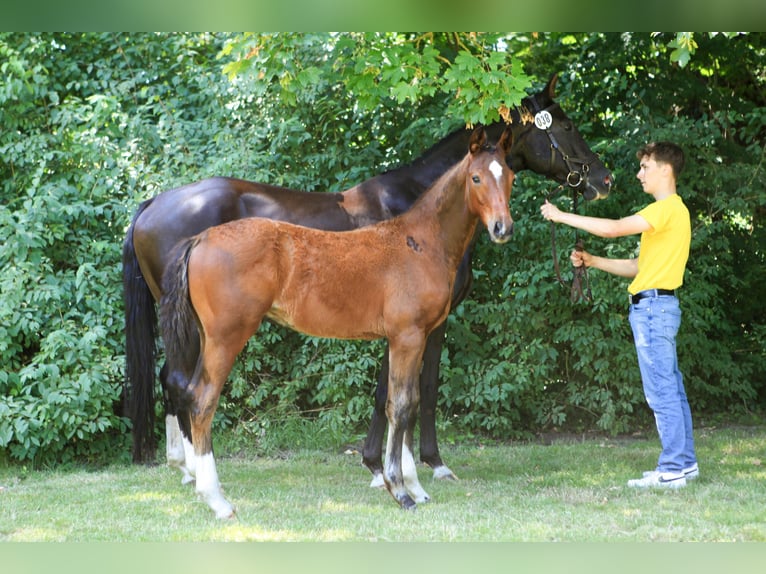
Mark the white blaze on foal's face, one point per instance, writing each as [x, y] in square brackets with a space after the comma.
[496, 169]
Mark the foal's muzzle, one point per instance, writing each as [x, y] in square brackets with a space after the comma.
[500, 231]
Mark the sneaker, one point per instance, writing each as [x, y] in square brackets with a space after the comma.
[656, 479]
[690, 472]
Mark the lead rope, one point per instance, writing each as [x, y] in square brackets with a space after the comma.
[580, 274]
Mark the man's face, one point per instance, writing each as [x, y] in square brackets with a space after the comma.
[650, 173]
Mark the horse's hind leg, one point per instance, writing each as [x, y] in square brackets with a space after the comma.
[178, 447]
[180, 451]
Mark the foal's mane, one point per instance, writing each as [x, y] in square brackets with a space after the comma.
[428, 195]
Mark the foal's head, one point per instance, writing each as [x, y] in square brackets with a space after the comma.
[488, 183]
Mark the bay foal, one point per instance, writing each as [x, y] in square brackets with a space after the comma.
[392, 280]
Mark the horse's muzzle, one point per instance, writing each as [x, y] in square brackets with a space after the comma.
[599, 190]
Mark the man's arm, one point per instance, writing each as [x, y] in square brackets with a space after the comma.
[622, 267]
[631, 225]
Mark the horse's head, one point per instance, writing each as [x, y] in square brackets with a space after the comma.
[488, 183]
[549, 144]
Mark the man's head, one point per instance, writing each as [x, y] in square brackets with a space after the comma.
[664, 153]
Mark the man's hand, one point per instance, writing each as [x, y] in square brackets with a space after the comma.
[550, 211]
[578, 257]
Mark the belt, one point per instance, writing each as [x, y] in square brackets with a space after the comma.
[634, 299]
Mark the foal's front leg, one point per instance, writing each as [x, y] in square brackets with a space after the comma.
[401, 409]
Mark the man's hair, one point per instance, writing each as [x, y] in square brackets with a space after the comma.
[664, 152]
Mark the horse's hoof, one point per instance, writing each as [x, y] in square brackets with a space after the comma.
[377, 481]
[444, 473]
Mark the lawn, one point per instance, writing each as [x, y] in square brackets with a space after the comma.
[569, 490]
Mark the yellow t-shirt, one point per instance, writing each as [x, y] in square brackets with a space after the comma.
[664, 248]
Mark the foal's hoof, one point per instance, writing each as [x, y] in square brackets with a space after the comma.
[407, 503]
[225, 513]
[422, 497]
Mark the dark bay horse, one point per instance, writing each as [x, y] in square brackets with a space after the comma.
[552, 147]
[391, 280]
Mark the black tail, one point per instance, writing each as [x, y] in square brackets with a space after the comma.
[178, 326]
[140, 350]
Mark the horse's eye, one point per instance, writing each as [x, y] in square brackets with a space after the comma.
[476, 179]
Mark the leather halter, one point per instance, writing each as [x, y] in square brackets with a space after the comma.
[574, 177]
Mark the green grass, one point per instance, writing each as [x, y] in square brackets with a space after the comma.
[570, 490]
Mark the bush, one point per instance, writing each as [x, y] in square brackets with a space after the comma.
[95, 123]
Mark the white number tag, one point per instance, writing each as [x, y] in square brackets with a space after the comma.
[543, 120]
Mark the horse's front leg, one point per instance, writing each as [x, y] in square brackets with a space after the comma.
[429, 377]
[429, 394]
[401, 409]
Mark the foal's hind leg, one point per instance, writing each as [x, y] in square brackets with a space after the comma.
[215, 365]
[208, 485]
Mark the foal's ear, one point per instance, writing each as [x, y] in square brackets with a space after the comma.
[506, 140]
[478, 140]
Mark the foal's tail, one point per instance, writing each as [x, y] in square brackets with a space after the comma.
[140, 349]
[178, 320]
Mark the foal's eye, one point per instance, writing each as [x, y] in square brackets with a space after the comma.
[476, 179]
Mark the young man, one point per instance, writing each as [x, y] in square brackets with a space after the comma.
[655, 315]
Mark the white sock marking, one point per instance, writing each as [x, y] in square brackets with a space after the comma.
[411, 482]
[175, 448]
[209, 487]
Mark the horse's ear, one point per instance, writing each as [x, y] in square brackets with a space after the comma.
[478, 139]
[506, 140]
[550, 89]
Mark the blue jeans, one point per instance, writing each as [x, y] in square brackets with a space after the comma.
[655, 322]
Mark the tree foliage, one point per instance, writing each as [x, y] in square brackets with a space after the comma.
[95, 123]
